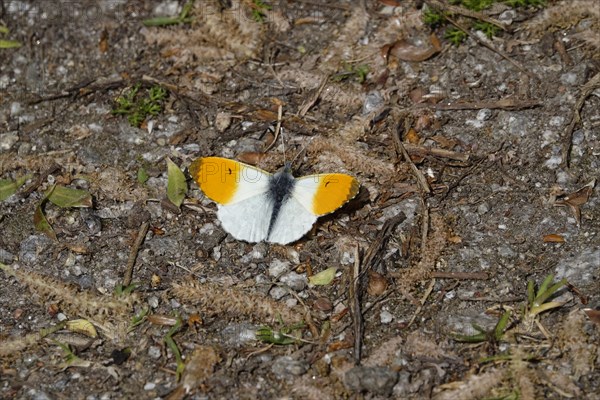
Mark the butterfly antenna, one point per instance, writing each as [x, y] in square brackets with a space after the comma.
[277, 131]
[302, 150]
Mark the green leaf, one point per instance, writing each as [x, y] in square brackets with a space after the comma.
[161, 21]
[176, 185]
[40, 222]
[323, 278]
[542, 297]
[267, 335]
[530, 293]
[544, 286]
[9, 44]
[173, 346]
[142, 175]
[66, 197]
[501, 326]
[8, 187]
[477, 338]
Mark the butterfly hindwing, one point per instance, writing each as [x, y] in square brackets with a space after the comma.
[248, 219]
[293, 221]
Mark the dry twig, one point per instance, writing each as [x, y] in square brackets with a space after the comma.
[354, 295]
[401, 150]
[133, 253]
[507, 103]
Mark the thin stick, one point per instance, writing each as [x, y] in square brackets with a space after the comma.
[436, 152]
[378, 244]
[424, 227]
[507, 103]
[422, 302]
[307, 106]
[461, 275]
[133, 253]
[277, 130]
[357, 317]
[400, 149]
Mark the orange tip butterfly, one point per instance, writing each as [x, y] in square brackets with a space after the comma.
[257, 206]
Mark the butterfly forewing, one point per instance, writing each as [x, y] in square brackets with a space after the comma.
[324, 193]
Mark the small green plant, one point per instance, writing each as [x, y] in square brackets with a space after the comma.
[358, 72]
[168, 339]
[493, 336]
[536, 301]
[436, 18]
[474, 5]
[258, 11]
[283, 336]
[455, 35]
[433, 18]
[138, 319]
[138, 108]
[7, 44]
[488, 29]
[525, 3]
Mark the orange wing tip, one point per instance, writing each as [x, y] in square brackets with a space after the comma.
[217, 177]
[334, 191]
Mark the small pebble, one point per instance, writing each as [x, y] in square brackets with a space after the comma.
[386, 317]
[286, 366]
[484, 114]
[153, 301]
[294, 280]
[154, 352]
[277, 292]
[8, 140]
[278, 267]
[376, 380]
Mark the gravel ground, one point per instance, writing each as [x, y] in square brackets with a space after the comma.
[478, 166]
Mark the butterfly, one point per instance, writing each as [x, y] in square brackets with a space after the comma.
[256, 206]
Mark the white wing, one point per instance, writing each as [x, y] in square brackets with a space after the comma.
[293, 221]
[247, 219]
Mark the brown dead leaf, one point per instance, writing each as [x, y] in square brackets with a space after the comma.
[163, 320]
[103, 44]
[455, 239]
[406, 51]
[417, 95]
[576, 199]
[199, 368]
[593, 315]
[553, 238]
[412, 136]
[377, 284]
[251, 157]
[444, 142]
